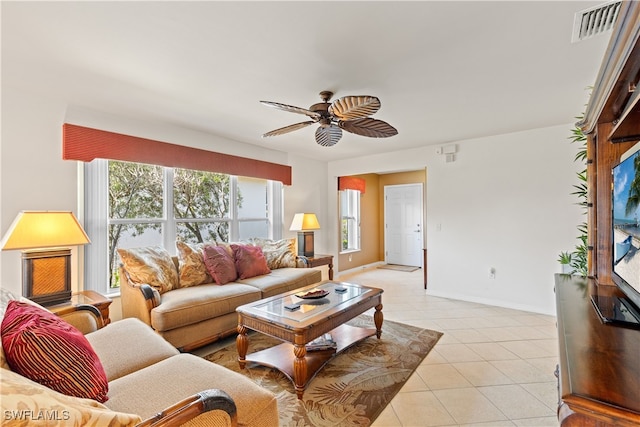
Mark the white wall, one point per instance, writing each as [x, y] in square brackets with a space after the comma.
[307, 193]
[33, 175]
[504, 203]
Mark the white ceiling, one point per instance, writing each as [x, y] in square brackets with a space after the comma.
[444, 71]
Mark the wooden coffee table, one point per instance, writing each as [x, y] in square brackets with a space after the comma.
[313, 318]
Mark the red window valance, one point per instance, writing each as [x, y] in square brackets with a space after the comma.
[86, 144]
[351, 183]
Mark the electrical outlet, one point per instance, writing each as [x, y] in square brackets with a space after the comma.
[492, 273]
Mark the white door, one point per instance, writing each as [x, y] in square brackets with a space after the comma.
[403, 224]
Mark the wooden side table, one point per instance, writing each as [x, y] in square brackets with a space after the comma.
[318, 260]
[93, 298]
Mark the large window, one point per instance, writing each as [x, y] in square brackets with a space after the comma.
[132, 205]
[350, 220]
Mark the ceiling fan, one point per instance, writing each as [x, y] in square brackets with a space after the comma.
[349, 113]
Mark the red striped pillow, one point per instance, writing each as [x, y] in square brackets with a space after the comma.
[44, 348]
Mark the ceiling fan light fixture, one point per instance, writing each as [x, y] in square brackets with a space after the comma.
[328, 136]
[350, 113]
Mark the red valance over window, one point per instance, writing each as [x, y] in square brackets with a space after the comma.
[351, 183]
[86, 144]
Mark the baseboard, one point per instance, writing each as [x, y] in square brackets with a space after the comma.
[488, 301]
[359, 268]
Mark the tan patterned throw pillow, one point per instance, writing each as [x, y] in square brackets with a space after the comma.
[152, 265]
[25, 402]
[279, 253]
[191, 268]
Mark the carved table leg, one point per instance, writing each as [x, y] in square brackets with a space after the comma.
[299, 368]
[377, 318]
[242, 344]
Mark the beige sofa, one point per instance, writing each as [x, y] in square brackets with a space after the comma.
[147, 377]
[192, 315]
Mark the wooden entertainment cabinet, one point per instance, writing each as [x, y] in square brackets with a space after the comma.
[599, 364]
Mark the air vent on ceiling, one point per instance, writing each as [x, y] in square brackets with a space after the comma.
[594, 21]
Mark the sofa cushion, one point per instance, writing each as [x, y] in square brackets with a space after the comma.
[283, 280]
[114, 342]
[220, 264]
[196, 334]
[44, 348]
[279, 253]
[151, 265]
[25, 402]
[186, 306]
[250, 261]
[178, 377]
[191, 267]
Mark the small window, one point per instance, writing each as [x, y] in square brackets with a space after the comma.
[350, 220]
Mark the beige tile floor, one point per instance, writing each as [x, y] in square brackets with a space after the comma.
[492, 367]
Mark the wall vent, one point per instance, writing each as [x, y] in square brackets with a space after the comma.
[594, 21]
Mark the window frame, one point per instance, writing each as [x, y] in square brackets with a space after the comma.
[95, 180]
[351, 212]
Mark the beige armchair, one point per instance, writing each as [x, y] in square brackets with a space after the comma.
[87, 319]
[150, 383]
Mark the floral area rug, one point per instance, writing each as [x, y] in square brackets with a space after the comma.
[350, 390]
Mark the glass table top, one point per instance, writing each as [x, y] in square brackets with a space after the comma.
[296, 308]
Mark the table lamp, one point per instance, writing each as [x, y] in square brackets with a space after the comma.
[43, 237]
[304, 223]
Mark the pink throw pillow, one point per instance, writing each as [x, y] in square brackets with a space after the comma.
[250, 261]
[219, 264]
[44, 348]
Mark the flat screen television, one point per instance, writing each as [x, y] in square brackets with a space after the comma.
[626, 236]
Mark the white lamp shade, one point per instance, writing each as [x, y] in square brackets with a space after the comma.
[304, 221]
[44, 229]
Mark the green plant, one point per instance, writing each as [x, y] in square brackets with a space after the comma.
[579, 255]
[577, 259]
[564, 258]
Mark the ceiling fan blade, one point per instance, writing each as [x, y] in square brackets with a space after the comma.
[288, 129]
[354, 107]
[369, 127]
[292, 109]
[328, 136]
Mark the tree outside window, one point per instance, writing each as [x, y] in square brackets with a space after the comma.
[204, 198]
[135, 208]
[134, 205]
